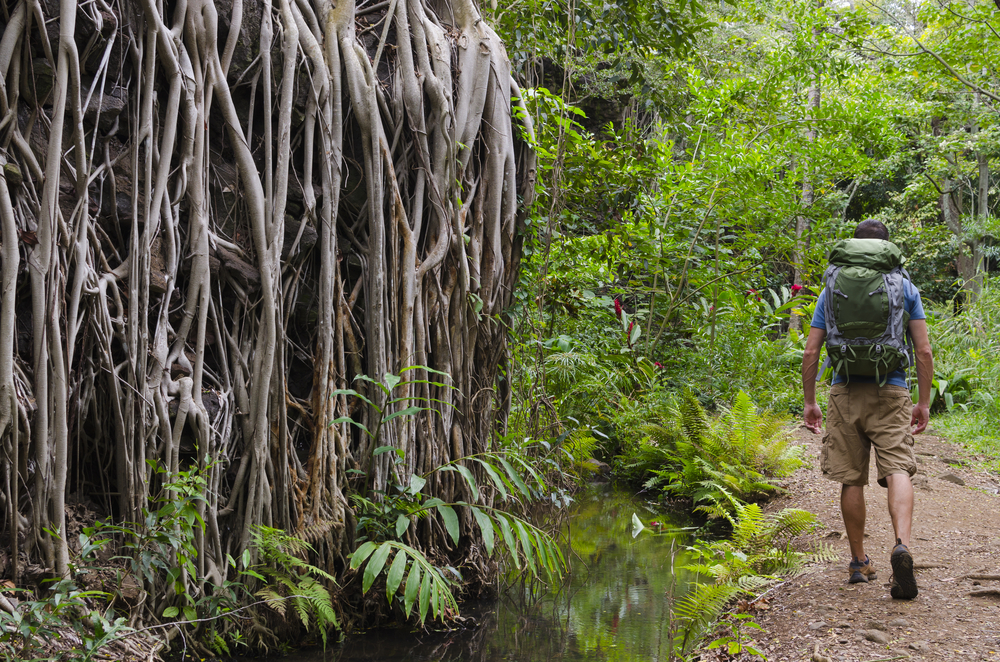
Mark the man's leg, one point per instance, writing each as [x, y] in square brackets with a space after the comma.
[852, 507]
[904, 584]
[900, 505]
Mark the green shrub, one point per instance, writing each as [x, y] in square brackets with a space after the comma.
[966, 390]
[713, 461]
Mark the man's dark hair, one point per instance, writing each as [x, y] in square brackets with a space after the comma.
[871, 229]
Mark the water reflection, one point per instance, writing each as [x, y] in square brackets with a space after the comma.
[613, 606]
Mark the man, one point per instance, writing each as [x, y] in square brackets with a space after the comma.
[870, 411]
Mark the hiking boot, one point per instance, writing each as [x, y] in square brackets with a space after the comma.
[902, 585]
[861, 571]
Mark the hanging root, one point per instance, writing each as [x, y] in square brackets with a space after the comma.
[215, 214]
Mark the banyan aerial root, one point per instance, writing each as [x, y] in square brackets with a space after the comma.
[214, 215]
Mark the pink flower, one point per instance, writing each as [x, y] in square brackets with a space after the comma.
[618, 308]
[750, 291]
[796, 288]
[659, 365]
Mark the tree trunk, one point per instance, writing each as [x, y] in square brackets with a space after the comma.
[802, 221]
[229, 212]
[950, 202]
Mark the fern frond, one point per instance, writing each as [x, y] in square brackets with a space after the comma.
[272, 599]
[752, 584]
[302, 609]
[822, 552]
[313, 533]
[693, 418]
[790, 522]
[704, 602]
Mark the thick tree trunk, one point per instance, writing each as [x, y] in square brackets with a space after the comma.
[228, 213]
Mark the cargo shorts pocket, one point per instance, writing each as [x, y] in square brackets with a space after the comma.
[838, 409]
[894, 405]
[824, 454]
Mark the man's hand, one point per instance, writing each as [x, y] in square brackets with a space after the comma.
[918, 421]
[813, 417]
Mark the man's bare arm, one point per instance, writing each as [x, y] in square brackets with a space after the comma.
[925, 374]
[812, 414]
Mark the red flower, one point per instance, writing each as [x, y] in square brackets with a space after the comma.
[751, 291]
[658, 365]
[618, 308]
[796, 288]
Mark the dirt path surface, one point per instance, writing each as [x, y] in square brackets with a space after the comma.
[956, 532]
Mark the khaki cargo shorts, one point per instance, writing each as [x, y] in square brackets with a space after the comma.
[861, 416]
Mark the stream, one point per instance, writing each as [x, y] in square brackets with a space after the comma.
[613, 605]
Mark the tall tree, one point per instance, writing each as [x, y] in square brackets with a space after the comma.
[227, 211]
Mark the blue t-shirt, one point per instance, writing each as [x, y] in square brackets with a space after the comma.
[912, 305]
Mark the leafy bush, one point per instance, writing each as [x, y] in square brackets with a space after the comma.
[38, 628]
[966, 348]
[713, 462]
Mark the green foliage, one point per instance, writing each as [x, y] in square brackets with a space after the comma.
[715, 463]
[431, 588]
[290, 579]
[33, 631]
[734, 641]
[385, 518]
[389, 408]
[161, 555]
[580, 445]
[759, 550]
[758, 553]
[696, 612]
[39, 623]
[967, 372]
[427, 587]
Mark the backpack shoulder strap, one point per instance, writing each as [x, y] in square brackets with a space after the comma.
[830, 286]
[895, 285]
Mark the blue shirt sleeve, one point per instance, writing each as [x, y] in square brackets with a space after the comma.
[914, 306]
[819, 316]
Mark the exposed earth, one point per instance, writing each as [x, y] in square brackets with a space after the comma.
[818, 616]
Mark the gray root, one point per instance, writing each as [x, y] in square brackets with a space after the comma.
[206, 234]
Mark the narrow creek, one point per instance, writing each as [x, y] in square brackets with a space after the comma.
[613, 606]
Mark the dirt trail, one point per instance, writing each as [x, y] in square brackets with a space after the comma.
[956, 532]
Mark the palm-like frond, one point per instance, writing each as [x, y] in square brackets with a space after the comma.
[697, 610]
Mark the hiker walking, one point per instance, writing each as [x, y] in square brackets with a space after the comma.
[871, 318]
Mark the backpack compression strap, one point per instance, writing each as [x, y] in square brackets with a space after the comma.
[833, 335]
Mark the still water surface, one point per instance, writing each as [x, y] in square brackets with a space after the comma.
[613, 606]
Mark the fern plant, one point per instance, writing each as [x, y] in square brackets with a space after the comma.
[290, 580]
[693, 614]
[760, 547]
[757, 554]
[711, 462]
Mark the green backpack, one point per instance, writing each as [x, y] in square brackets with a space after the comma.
[866, 319]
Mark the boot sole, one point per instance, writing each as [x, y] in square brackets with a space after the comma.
[904, 585]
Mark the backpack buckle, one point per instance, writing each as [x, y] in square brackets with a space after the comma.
[878, 349]
[843, 349]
